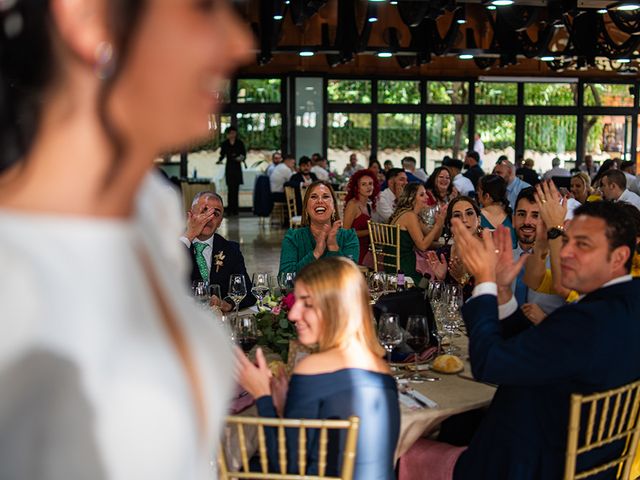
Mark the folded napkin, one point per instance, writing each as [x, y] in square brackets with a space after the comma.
[423, 357]
[413, 399]
[241, 401]
[430, 460]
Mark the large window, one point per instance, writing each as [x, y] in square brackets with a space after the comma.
[398, 136]
[550, 94]
[498, 134]
[405, 92]
[548, 136]
[607, 136]
[348, 133]
[446, 135]
[496, 93]
[608, 95]
[349, 91]
[256, 90]
[447, 93]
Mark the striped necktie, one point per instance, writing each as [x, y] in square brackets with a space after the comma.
[201, 261]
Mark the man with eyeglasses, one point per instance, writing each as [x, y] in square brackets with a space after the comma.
[213, 258]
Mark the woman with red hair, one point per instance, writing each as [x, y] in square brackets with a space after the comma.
[362, 192]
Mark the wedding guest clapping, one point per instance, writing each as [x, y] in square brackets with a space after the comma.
[347, 376]
[321, 234]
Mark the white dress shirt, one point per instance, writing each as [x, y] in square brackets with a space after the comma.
[281, 175]
[385, 205]
[419, 173]
[631, 198]
[208, 250]
[320, 172]
[463, 184]
[478, 147]
[556, 172]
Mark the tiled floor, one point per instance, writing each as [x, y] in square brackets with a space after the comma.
[259, 242]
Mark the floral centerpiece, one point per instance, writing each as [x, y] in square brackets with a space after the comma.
[276, 331]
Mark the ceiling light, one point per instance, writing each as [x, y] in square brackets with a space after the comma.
[393, 2]
[465, 56]
[385, 54]
[602, 11]
[622, 60]
[277, 17]
[501, 3]
[547, 58]
[306, 53]
[373, 19]
[461, 21]
[558, 25]
[624, 6]
[491, 7]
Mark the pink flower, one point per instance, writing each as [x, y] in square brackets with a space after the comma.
[276, 310]
[288, 301]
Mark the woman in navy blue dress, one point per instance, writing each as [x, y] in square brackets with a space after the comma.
[348, 375]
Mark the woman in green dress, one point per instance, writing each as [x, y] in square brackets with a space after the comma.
[321, 234]
[414, 234]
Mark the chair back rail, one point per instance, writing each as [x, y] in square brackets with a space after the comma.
[351, 427]
[612, 416]
[295, 220]
[385, 245]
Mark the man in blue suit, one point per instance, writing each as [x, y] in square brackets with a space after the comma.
[585, 347]
[213, 258]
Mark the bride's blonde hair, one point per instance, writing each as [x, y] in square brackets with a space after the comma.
[341, 299]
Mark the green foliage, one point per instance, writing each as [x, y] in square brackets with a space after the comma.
[491, 93]
[447, 93]
[441, 130]
[608, 95]
[552, 134]
[275, 330]
[259, 90]
[498, 131]
[406, 92]
[550, 94]
[349, 91]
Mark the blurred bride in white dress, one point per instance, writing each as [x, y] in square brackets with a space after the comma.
[106, 368]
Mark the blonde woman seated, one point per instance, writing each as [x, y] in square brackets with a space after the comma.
[346, 377]
[581, 188]
[414, 235]
[321, 234]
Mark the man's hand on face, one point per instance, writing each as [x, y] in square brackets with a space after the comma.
[197, 221]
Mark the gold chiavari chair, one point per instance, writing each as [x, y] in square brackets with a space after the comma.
[340, 195]
[281, 424]
[385, 245]
[612, 416]
[295, 220]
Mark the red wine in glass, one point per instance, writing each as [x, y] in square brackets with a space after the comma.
[247, 343]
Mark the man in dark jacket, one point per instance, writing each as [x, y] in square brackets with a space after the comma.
[213, 258]
[584, 347]
[474, 171]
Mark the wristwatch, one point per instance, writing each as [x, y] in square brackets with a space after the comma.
[555, 232]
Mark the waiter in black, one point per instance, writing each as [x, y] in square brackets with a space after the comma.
[234, 151]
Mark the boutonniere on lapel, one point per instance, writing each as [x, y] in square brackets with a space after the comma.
[219, 260]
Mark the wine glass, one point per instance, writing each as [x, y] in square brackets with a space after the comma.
[261, 285]
[285, 281]
[377, 285]
[246, 332]
[390, 333]
[237, 289]
[418, 330]
[214, 291]
[436, 293]
[201, 293]
[451, 319]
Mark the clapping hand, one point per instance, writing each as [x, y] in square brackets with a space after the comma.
[506, 269]
[437, 265]
[534, 313]
[332, 240]
[255, 379]
[553, 209]
[279, 389]
[320, 237]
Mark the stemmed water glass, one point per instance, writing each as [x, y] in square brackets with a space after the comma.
[390, 334]
[285, 281]
[261, 284]
[451, 316]
[418, 330]
[437, 295]
[201, 293]
[237, 290]
[246, 332]
[377, 285]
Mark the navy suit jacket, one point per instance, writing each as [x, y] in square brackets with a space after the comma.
[584, 347]
[233, 263]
